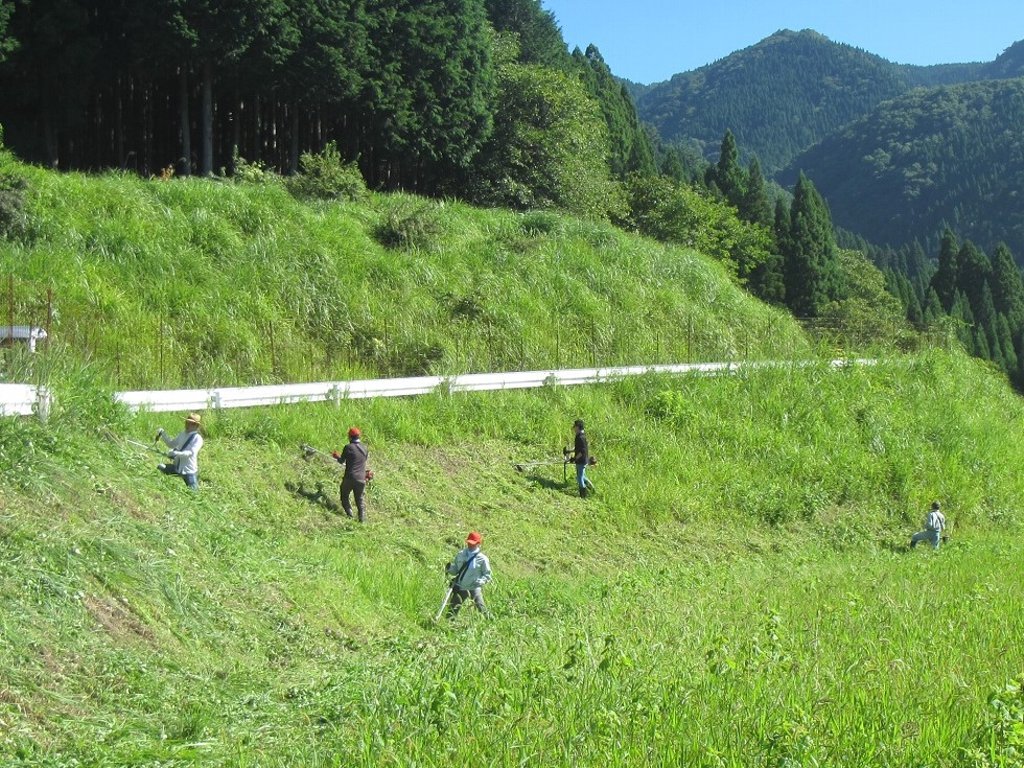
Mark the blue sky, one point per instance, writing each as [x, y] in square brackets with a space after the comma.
[651, 40]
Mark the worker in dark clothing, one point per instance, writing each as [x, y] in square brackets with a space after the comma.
[353, 457]
[581, 458]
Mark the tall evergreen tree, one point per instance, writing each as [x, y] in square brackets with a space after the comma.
[50, 74]
[1006, 345]
[538, 36]
[932, 308]
[629, 147]
[728, 175]
[944, 281]
[780, 226]
[810, 268]
[980, 346]
[329, 71]
[755, 206]
[973, 272]
[768, 282]
[914, 312]
[960, 312]
[440, 111]
[1007, 286]
[7, 42]
[672, 165]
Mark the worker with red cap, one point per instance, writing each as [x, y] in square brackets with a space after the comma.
[471, 570]
[353, 457]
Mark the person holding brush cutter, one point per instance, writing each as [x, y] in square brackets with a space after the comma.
[580, 456]
[471, 570]
[934, 525]
[184, 451]
[353, 457]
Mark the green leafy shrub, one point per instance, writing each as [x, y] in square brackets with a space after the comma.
[253, 172]
[325, 176]
[1001, 738]
[413, 225]
[540, 223]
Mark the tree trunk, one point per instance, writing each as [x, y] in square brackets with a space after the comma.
[50, 139]
[236, 130]
[293, 148]
[207, 159]
[257, 128]
[185, 165]
[147, 130]
[119, 125]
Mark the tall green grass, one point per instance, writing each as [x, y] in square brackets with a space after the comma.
[199, 283]
[737, 593]
[698, 611]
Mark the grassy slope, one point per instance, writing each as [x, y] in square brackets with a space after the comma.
[252, 625]
[733, 596]
[226, 268]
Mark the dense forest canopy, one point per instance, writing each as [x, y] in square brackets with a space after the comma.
[411, 90]
[778, 97]
[791, 90]
[946, 156]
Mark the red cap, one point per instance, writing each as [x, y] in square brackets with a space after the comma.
[354, 432]
[474, 538]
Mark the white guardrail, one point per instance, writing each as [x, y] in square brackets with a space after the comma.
[336, 391]
[24, 399]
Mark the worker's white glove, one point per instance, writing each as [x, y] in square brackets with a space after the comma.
[170, 455]
[159, 433]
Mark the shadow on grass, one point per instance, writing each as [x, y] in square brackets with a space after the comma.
[557, 485]
[547, 483]
[316, 495]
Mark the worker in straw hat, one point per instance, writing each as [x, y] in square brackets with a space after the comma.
[471, 570]
[184, 451]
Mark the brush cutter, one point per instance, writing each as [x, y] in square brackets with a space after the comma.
[145, 447]
[308, 452]
[444, 603]
[531, 464]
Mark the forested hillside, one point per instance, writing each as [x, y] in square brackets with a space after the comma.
[742, 528]
[947, 156]
[1010, 63]
[791, 90]
[476, 99]
[778, 97]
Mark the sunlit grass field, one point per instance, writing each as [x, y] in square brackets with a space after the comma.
[200, 283]
[737, 593]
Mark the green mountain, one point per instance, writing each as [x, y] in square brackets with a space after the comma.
[719, 601]
[778, 97]
[785, 94]
[1010, 63]
[945, 156]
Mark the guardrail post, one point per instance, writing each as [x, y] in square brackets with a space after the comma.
[43, 402]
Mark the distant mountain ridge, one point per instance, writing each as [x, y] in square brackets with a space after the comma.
[789, 91]
[952, 155]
